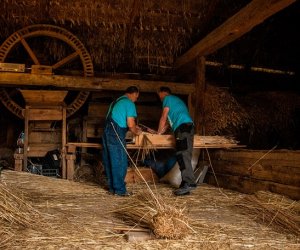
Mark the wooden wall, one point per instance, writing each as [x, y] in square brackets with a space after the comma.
[148, 110]
[277, 171]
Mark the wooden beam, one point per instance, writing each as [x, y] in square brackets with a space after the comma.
[89, 83]
[246, 19]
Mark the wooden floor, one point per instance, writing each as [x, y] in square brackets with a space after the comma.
[79, 216]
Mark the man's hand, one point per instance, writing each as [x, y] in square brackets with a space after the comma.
[138, 130]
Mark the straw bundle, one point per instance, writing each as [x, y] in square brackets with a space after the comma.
[147, 147]
[273, 210]
[223, 113]
[153, 212]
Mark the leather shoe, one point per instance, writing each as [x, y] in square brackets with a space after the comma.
[125, 194]
[185, 189]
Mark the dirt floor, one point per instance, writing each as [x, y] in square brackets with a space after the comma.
[77, 215]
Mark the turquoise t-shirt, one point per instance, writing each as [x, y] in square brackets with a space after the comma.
[123, 108]
[178, 111]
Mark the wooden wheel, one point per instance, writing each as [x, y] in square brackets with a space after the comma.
[30, 36]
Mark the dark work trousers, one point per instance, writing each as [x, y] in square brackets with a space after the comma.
[114, 156]
[184, 137]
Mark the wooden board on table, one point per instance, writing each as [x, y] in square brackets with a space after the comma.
[168, 141]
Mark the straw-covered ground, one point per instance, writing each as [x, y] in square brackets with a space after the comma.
[38, 212]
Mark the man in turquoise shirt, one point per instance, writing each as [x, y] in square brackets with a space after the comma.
[120, 117]
[177, 114]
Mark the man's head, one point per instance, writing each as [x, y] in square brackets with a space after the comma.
[132, 93]
[163, 91]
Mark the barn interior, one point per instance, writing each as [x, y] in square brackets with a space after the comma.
[232, 62]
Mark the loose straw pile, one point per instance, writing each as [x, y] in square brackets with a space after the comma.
[15, 213]
[14, 210]
[165, 220]
[152, 212]
[273, 210]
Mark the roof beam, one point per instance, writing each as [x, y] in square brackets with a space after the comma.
[8, 79]
[239, 24]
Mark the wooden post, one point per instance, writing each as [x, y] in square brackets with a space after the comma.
[200, 87]
[84, 138]
[26, 137]
[70, 165]
[64, 142]
[10, 136]
[18, 162]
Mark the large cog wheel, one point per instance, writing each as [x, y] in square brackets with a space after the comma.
[43, 30]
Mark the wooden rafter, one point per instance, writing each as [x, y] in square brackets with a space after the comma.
[247, 18]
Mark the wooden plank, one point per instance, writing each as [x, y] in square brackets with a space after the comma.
[99, 110]
[84, 144]
[279, 174]
[40, 97]
[90, 83]
[250, 185]
[40, 150]
[45, 114]
[133, 176]
[168, 141]
[45, 137]
[96, 109]
[41, 69]
[281, 157]
[239, 24]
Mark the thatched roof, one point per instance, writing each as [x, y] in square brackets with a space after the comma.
[147, 36]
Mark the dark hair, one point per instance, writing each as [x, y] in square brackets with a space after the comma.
[164, 89]
[132, 89]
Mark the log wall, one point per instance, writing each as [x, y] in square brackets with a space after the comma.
[249, 171]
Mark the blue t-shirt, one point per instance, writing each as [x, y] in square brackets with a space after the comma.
[178, 111]
[123, 109]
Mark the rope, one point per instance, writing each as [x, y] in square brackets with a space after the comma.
[136, 168]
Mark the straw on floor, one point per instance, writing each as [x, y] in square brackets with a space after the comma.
[273, 210]
[79, 216]
[15, 213]
[165, 219]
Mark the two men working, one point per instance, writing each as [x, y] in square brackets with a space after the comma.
[121, 116]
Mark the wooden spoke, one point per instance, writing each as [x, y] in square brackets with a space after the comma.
[65, 60]
[29, 50]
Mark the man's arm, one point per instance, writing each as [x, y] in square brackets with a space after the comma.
[132, 126]
[163, 125]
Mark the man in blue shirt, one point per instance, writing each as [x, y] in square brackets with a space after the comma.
[176, 113]
[120, 117]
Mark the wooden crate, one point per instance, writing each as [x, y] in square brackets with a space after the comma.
[43, 97]
[132, 175]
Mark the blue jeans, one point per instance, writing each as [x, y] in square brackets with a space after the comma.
[160, 168]
[114, 156]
